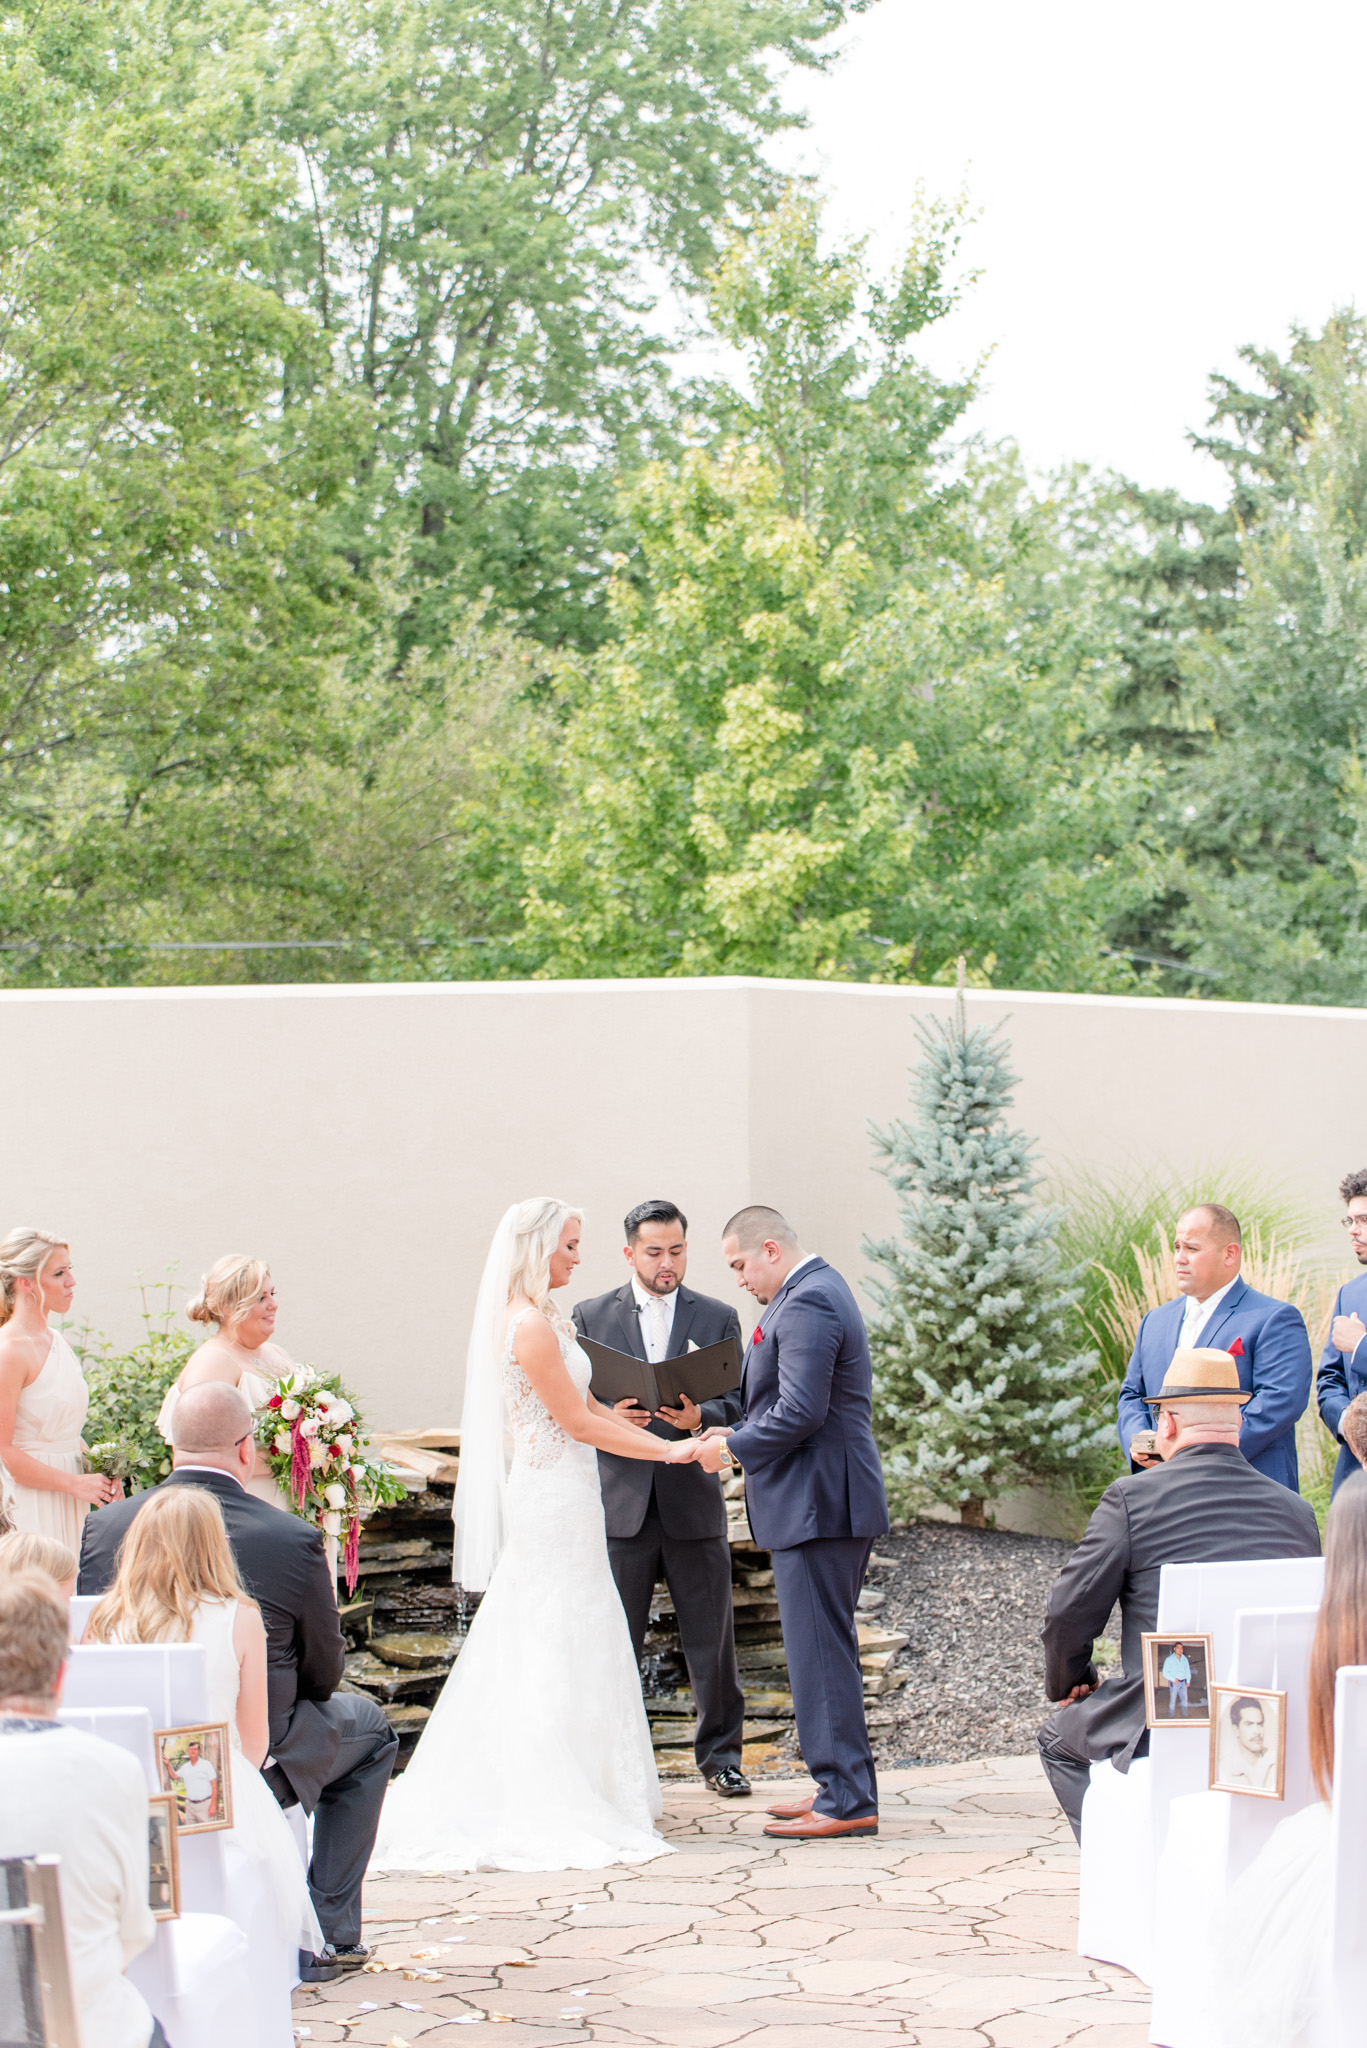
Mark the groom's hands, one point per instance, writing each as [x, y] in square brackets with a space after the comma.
[709, 1449]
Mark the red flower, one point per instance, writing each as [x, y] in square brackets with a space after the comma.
[276, 1401]
[758, 1334]
[1236, 1349]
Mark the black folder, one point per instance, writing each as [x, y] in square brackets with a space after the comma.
[702, 1375]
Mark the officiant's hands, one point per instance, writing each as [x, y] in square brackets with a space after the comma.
[631, 1410]
[686, 1416]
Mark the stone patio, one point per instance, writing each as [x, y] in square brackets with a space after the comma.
[955, 1928]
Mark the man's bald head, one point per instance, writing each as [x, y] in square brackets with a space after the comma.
[209, 1422]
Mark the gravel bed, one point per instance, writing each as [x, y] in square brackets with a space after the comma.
[972, 1602]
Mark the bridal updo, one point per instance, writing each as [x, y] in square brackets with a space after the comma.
[23, 1255]
[536, 1233]
[229, 1289]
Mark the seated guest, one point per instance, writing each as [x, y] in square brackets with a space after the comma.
[68, 1794]
[177, 1583]
[1203, 1503]
[1342, 1375]
[331, 1752]
[1270, 1934]
[20, 1551]
[1216, 1308]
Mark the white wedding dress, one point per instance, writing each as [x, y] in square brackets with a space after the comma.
[1270, 1939]
[538, 1753]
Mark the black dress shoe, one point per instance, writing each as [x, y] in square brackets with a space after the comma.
[332, 1963]
[729, 1782]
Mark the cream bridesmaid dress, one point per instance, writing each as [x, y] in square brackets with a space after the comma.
[48, 1424]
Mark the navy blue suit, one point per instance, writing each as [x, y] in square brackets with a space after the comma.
[814, 1493]
[1342, 1378]
[1275, 1364]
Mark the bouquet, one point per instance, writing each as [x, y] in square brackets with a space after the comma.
[314, 1441]
[118, 1457]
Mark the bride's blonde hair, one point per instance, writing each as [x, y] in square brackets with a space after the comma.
[536, 1233]
[174, 1555]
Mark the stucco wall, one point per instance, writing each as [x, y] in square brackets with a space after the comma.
[365, 1139]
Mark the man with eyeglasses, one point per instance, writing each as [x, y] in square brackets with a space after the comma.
[331, 1752]
[1343, 1362]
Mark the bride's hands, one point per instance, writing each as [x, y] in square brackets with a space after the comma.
[685, 1453]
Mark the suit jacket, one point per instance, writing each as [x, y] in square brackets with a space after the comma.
[1275, 1364]
[1342, 1378]
[1204, 1505]
[688, 1500]
[282, 1564]
[811, 1465]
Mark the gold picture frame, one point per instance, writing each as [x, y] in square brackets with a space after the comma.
[163, 1856]
[180, 1754]
[1248, 1755]
[1174, 1702]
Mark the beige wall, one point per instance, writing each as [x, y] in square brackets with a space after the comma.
[366, 1139]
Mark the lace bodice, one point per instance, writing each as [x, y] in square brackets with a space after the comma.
[538, 1439]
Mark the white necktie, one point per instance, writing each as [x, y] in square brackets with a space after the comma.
[655, 1331]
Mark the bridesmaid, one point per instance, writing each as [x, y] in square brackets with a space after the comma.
[43, 1395]
[238, 1298]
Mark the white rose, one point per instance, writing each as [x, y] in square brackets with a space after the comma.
[342, 1411]
[318, 1455]
[310, 1427]
[332, 1524]
[282, 1441]
[345, 1445]
[335, 1496]
[357, 1471]
[289, 1409]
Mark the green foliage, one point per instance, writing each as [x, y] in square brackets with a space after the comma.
[977, 1386]
[127, 1389]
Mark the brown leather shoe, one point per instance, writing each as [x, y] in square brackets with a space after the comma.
[795, 1809]
[819, 1827]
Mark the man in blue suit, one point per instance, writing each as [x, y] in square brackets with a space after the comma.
[1343, 1361]
[1218, 1310]
[814, 1491]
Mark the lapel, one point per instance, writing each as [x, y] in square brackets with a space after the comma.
[629, 1321]
[685, 1308]
[808, 1266]
[1224, 1312]
[1172, 1330]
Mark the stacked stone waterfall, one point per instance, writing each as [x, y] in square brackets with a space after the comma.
[407, 1624]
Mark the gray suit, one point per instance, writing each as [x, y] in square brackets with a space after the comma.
[1206, 1504]
[670, 1521]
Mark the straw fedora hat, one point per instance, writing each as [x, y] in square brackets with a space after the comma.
[1200, 1375]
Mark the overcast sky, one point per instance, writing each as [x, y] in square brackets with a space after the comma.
[1156, 184]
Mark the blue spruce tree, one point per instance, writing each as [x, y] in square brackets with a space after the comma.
[977, 1386]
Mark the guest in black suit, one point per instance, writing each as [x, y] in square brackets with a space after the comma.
[1205, 1503]
[330, 1752]
[670, 1520]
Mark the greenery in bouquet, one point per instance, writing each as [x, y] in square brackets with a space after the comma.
[127, 1389]
[313, 1438]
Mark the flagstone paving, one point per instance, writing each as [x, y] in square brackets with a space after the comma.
[955, 1928]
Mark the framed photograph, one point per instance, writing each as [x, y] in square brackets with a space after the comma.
[163, 1856]
[193, 1767]
[1176, 1681]
[1247, 1741]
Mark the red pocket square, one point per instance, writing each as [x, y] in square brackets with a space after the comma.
[758, 1334]
[1236, 1349]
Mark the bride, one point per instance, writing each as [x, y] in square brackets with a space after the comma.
[538, 1754]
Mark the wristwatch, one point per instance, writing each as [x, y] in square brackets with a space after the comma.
[729, 1461]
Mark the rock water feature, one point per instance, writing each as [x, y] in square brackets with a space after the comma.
[407, 1623]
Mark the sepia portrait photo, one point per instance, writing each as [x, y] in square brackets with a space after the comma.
[1176, 1681]
[193, 1768]
[1247, 1741]
[163, 1857]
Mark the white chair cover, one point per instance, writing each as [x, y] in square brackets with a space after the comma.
[1212, 1837]
[82, 1606]
[127, 1728]
[197, 1978]
[1115, 1881]
[1348, 1850]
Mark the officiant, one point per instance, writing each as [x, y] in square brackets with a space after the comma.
[669, 1521]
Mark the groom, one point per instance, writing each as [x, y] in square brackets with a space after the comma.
[814, 1491]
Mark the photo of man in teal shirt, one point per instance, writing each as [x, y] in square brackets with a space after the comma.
[1177, 1673]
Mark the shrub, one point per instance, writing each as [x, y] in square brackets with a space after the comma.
[127, 1389]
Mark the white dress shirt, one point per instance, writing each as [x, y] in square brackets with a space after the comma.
[656, 1319]
[1197, 1314]
[65, 1793]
